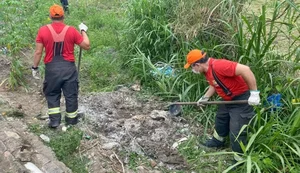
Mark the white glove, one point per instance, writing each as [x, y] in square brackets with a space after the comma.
[202, 99]
[83, 27]
[35, 73]
[254, 98]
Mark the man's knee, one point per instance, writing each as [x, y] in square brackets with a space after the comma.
[222, 126]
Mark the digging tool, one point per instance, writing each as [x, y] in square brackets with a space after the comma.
[79, 59]
[175, 108]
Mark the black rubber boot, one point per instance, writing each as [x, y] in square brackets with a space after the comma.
[211, 143]
[71, 121]
[54, 120]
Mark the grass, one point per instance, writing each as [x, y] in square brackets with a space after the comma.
[248, 39]
[134, 160]
[16, 75]
[129, 39]
[65, 145]
[101, 67]
[104, 32]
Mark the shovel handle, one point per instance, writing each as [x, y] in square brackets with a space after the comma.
[212, 102]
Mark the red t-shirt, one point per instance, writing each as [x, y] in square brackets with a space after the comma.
[225, 71]
[72, 37]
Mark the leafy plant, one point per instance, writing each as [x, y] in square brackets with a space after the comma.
[133, 160]
[66, 144]
[16, 75]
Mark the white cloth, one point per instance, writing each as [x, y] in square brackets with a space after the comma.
[83, 27]
[254, 98]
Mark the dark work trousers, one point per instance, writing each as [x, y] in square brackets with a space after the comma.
[231, 118]
[65, 4]
[61, 75]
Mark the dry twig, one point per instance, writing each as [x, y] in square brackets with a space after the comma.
[95, 144]
[119, 161]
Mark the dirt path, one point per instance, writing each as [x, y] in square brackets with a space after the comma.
[120, 123]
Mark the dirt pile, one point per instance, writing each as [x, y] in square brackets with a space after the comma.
[123, 122]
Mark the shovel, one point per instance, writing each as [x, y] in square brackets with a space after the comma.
[175, 108]
[79, 60]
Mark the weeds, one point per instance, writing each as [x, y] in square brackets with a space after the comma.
[16, 75]
[65, 145]
[223, 32]
[163, 31]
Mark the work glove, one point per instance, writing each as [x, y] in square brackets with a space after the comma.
[202, 99]
[254, 98]
[83, 27]
[35, 72]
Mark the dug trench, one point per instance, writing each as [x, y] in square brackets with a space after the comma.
[116, 125]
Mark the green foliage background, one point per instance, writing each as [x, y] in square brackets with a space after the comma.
[130, 38]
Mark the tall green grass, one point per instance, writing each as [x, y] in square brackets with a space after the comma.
[153, 35]
[130, 39]
[101, 68]
[225, 30]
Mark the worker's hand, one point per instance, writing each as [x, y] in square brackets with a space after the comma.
[83, 27]
[202, 99]
[254, 98]
[35, 72]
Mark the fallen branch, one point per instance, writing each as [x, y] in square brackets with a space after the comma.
[3, 82]
[119, 162]
[86, 149]
[133, 138]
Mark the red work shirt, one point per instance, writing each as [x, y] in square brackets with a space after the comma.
[72, 37]
[225, 71]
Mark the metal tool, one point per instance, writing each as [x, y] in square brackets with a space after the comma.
[175, 108]
[79, 60]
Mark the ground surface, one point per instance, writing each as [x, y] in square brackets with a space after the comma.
[117, 123]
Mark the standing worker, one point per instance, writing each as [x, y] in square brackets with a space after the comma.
[231, 81]
[61, 74]
[65, 5]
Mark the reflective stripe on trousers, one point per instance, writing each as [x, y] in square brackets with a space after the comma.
[55, 110]
[71, 114]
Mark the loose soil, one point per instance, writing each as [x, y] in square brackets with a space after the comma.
[117, 125]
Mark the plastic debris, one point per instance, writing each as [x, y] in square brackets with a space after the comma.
[274, 100]
[4, 50]
[88, 137]
[163, 69]
[33, 169]
[45, 138]
[64, 128]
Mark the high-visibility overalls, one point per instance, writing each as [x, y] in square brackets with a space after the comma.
[60, 76]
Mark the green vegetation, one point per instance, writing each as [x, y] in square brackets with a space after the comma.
[163, 31]
[65, 145]
[16, 75]
[101, 68]
[132, 39]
